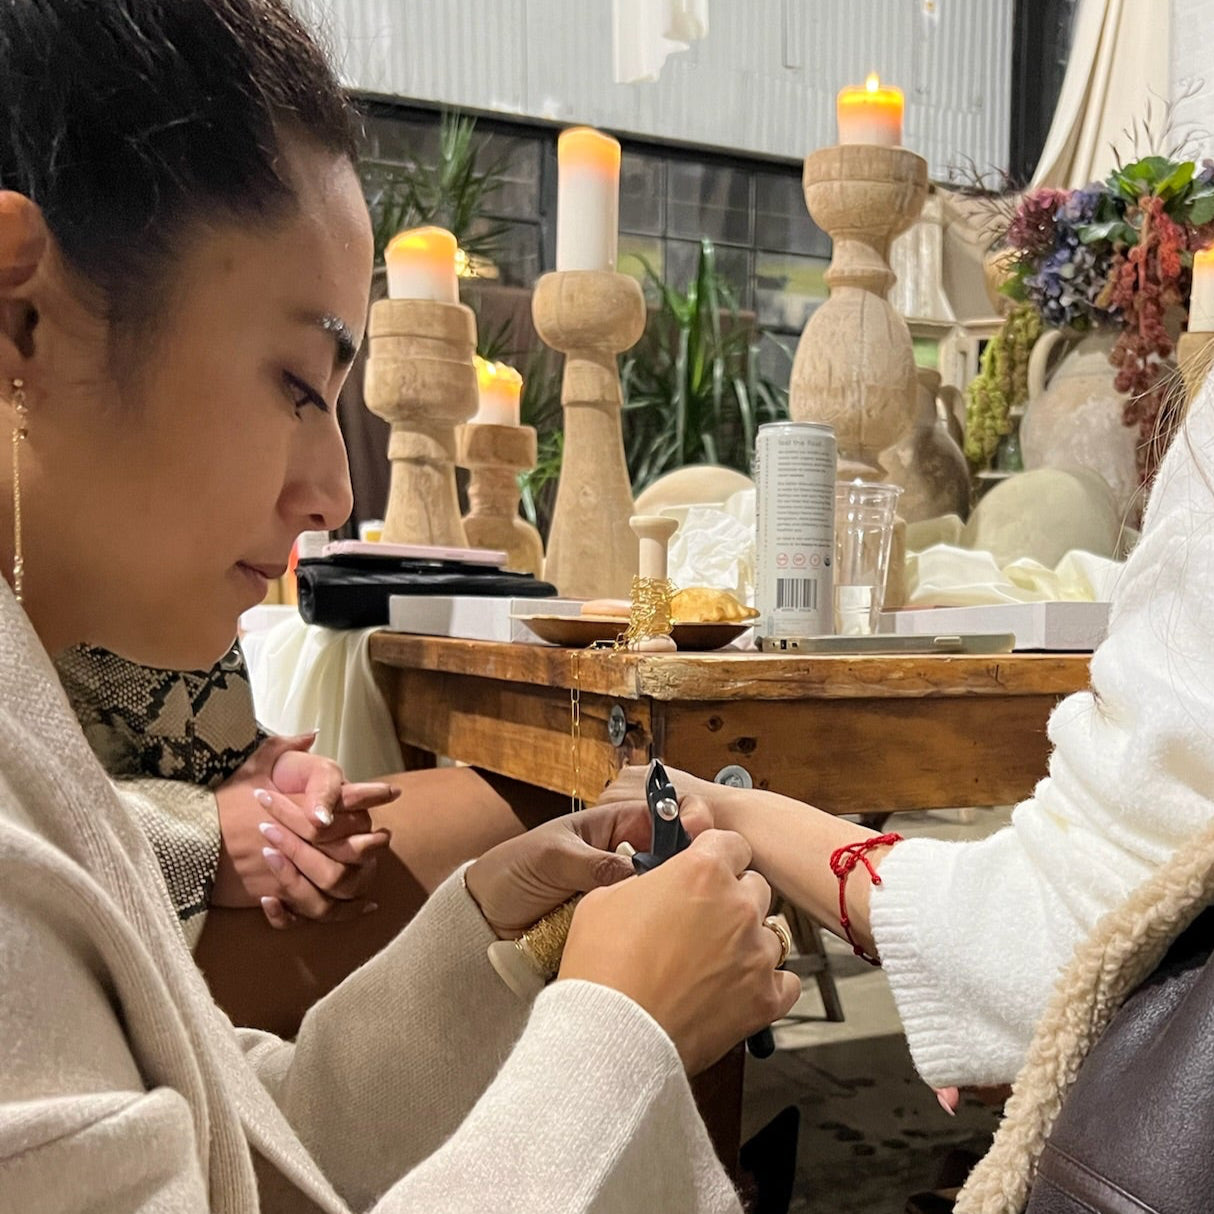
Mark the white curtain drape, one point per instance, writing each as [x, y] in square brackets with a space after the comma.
[647, 32]
[1118, 64]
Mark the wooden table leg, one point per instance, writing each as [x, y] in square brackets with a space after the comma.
[414, 758]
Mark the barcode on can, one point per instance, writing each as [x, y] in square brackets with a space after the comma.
[795, 469]
[797, 593]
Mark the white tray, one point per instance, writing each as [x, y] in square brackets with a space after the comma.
[1055, 626]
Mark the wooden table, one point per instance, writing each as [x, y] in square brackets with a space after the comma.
[851, 735]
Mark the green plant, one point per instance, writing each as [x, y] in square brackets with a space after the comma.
[540, 406]
[692, 391]
[1000, 385]
[493, 341]
[537, 486]
[452, 192]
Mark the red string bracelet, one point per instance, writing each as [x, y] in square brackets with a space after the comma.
[842, 861]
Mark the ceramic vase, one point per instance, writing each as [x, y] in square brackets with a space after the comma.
[1074, 414]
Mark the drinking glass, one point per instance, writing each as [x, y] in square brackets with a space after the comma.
[864, 530]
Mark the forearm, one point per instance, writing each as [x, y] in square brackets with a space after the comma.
[591, 1112]
[792, 844]
[446, 816]
[434, 1024]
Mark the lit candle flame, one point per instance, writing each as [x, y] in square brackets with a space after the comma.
[421, 265]
[500, 386]
[429, 242]
[493, 374]
[873, 83]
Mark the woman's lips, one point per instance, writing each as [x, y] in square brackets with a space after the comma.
[261, 575]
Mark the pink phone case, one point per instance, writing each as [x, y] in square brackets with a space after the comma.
[415, 552]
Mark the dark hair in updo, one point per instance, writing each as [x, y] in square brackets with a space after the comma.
[128, 120]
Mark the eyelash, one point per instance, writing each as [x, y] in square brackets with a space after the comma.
[303, 396]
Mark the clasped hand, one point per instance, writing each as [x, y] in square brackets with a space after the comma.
[686, 941]
[295, 837]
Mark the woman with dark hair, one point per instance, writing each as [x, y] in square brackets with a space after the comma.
[184, 268]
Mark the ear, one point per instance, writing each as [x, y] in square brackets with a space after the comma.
[24, 246]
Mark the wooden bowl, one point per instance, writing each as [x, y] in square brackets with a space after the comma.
[581, 631]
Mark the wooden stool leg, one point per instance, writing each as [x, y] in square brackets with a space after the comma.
[873, 821]
[813, 960]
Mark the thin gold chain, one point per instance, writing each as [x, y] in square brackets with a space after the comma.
[575, 730]
[19, 435]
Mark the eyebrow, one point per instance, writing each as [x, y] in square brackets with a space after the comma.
[337, 328]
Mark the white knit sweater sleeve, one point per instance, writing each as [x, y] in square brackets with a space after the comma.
[577, 1103]
[973, 935]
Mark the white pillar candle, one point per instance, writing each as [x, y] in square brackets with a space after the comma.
[588, 200]
[1201, 302]
[870, 114]
[500, 386]
[421, 265]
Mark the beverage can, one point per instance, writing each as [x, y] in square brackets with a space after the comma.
[795, 469]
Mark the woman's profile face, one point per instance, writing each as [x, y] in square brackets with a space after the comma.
[168, 476]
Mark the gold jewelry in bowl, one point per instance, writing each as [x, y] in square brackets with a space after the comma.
[777, 924]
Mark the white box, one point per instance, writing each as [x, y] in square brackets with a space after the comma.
[472, 617]
[1062, 626]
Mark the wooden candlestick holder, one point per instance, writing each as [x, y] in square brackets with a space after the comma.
[855, 365]
[591, 316]
[494, 456]
[653, 532]
[421, 380]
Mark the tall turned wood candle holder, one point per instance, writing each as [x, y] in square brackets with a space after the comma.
[855, 365]
[494, 456]
[591, 316]
[421, 380]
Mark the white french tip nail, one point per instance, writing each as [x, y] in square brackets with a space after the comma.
[944, 1104]
[323, 815]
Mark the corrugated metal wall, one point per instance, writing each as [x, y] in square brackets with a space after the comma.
[763, 81]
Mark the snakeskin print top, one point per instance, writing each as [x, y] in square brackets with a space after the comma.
[164, 736]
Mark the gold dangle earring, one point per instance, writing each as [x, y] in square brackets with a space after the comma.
[20, 432]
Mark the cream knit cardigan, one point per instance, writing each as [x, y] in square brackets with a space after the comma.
[420, 1084]
[974, 935]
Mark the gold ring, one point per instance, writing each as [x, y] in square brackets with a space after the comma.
[776, 923]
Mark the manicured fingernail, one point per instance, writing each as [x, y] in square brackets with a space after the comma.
[272, 833]
[275, 859]
[263, 798]
[323, 816]
[944, 1104]
[370, 908]
[393, 791]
